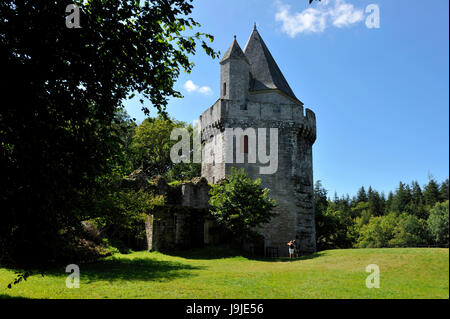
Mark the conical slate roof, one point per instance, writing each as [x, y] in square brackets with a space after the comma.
[234, 51]
[265, 71]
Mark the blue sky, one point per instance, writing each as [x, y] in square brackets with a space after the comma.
[380, 95]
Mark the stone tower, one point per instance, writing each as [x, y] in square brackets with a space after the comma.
[254, 94]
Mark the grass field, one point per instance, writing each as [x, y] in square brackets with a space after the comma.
[222, 273]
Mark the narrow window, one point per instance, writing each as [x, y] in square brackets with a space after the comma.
[245, 144]
[224, 88]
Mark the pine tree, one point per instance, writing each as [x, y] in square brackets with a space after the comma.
[388, 204]
[443, 190]
[361, 196]
[417, 203]
[376, 204]
[401, 198]
[431, 193]
[320, 198]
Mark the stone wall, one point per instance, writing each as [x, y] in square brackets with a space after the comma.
[184, 221]
[175, 227]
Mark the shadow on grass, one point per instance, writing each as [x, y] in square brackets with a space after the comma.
[3, 296]
[287, 259]
[227, 251]
[141, 269]
[208, 252]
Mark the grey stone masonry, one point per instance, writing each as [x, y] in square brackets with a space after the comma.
[255, 94]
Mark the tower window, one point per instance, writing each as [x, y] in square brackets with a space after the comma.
[244, 144]
[243, 107]
[224, 88]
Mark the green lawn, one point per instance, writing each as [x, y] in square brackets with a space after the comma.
[220, 273]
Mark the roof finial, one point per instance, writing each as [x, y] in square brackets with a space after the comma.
[254, 26]
[235, 36]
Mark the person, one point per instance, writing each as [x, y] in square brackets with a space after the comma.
[291, 245]
[297, 249]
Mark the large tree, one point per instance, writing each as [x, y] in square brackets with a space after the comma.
[152, 145]
[58, 137]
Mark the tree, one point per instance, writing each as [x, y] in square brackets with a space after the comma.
[376, 202]
[320, 198]
[334, 224]
[417, 204]
[378, 232]
[443, 190]
[409, 231]
[431, 193]
[389, 200]
[362, 208]
[241, 205]
[401, 199]
[362, 195]
[123, 214]
[57, 138]
[151, 147]
[123, 130]
[323, 224]
[336, 229]
[438, 223]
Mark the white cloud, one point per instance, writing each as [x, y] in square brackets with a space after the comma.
[192, 87]
[316, 19]
[205, 90]
[345, 14]
[309, 20]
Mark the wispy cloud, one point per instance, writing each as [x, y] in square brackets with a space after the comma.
[192, 87]
[326, 13]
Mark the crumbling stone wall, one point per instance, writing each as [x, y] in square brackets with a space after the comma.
[184, 221]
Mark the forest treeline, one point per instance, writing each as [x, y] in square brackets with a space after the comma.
[410, 216]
